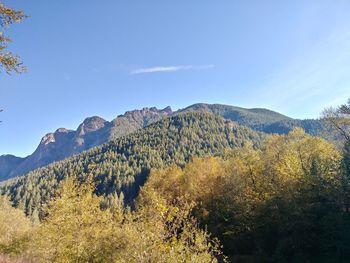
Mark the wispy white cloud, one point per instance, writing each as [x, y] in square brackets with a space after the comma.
[169, 69]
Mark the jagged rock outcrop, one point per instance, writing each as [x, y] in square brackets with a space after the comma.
[93, 131]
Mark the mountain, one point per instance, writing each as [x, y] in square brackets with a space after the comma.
[92, 132]
[7, 162]
[248, 117]
[123, 164]
[260, 119]
[95, 131]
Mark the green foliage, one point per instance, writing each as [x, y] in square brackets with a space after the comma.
[262, 119]
[284, 201]
[281, 203]
[122, 165]
[77, 229]
[346, 158]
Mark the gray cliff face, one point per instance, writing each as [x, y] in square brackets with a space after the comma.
[93, 131]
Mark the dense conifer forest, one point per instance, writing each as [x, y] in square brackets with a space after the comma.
[209, 183]
[263, 119]
[193, 187]
[121, 166]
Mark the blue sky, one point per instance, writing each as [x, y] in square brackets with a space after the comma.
[102, 58]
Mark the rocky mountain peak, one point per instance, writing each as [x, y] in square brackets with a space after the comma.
[63, 130]
[91, 124]
[167, 110]
[95, 131]
[47, 139]
[147, 111]
[53, 137]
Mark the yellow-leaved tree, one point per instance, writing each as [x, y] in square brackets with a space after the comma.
[8, 61]
[78, 229]
[281, 203]
[15, 229]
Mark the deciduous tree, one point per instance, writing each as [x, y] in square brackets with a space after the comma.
[8, 61]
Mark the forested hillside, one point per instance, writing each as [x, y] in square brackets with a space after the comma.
[211, 191]
[261, 119]
[285, 202]
[94, 131]
[122, 165]
[7, 163]
[204, 183]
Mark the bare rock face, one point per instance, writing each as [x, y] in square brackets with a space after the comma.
[48, 138]
[91, 124]
[52, 147]
[93, 131]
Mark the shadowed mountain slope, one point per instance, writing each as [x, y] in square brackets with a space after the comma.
[260, 119]
[95, 131]
[92, 132]
[123, 164]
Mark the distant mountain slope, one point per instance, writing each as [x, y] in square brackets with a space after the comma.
[259, 119]
[123, 164]
[7, 162]
[95, 131]
[92, 132]
[247, 117]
